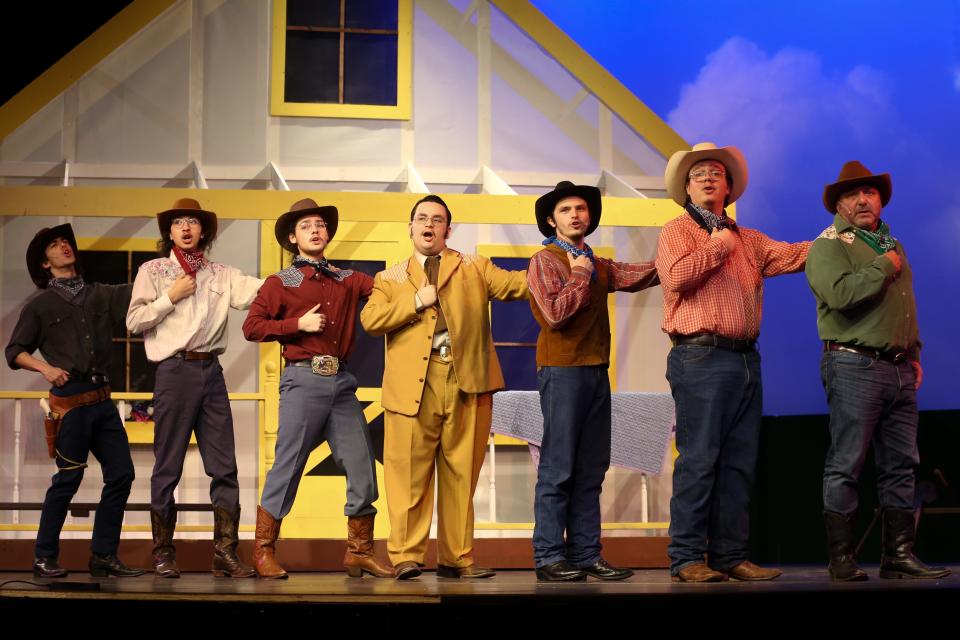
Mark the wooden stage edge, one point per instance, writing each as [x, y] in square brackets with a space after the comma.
[304, 555]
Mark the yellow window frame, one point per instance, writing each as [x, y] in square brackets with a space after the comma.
[402, 111]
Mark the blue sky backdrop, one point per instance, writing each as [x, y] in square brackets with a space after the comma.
[801, 88]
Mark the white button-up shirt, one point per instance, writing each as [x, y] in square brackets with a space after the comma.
[195, 323]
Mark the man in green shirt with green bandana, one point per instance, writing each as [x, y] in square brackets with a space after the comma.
[867, 318]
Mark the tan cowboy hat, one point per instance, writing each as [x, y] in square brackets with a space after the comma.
[680, 162]
[301, 208]
[185, 207]
[853, 174]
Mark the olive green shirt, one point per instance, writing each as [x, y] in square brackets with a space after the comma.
[859, 301]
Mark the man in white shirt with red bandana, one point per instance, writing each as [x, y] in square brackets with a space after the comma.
[180, 304]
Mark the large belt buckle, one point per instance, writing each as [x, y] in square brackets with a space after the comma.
[445, 352]
[325, 365]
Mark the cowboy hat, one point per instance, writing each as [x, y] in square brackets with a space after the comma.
[37, 252]
[678, 168]
[854, 174]
[188, 207]
[566, 189]
[301, 208]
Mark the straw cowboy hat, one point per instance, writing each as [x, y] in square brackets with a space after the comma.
[680, 162]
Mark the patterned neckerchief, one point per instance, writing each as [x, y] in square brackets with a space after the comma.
[190, 261]
[708, 219]
[880, 240]
[322, 267]
[575, 251]
[70, 286]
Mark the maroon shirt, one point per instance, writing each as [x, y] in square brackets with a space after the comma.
[282, 300]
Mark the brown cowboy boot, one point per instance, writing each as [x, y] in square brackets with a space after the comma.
[265, 546]
[226, 523]
[359, 556]
[164, 553]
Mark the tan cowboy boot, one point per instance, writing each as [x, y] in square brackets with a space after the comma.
[359, 556]
[164, 553]
[226, 523]
[264, 546]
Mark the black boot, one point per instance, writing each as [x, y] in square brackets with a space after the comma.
[164, 554]
[898, 560]
[226, 524]
[843, 565]
[107, 566]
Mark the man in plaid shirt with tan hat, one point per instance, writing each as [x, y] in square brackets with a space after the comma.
[712, 272]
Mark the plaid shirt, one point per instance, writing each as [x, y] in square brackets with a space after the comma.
[707, 289]
[560, 291]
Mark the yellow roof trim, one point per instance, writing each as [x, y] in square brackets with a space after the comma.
[84, 57]
[593, 76]
[355, 206]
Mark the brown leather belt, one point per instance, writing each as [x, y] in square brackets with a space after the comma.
[889, 356]
[194, 355]
[713, 340]
[63, 404]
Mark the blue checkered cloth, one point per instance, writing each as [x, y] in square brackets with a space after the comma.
[642, 425]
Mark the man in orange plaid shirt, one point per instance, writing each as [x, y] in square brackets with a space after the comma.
[712, 273]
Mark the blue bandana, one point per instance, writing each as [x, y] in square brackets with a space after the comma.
[576, 252]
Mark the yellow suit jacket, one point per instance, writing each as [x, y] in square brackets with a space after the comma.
[465, 286]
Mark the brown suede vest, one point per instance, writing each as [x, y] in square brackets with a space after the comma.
[585, 337]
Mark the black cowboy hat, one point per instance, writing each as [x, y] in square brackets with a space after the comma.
[301, 208]
[853, 174]
[37, 252]
[188, 207]
[566, 189]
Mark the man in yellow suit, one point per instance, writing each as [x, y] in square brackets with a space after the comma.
[438, 382]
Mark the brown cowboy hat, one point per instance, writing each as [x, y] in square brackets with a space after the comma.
[678, 168]
[301, 208]
[185, 207]
[566, 189]
[853, 174]
[37, 252]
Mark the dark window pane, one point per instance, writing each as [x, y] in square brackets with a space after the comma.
[108, 267]
[313, 13]
[513, 321]
[372, 14]
[118, 367]
[366, 360]
[370, 69]
[142, 371]
[313, 67]
[519, 366]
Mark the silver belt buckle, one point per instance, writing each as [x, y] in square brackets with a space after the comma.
[445, 352]
[325, 365]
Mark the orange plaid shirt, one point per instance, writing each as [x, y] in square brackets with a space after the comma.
[707, 289]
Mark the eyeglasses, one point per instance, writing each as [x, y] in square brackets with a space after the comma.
[434, 220]
[307, 225]
[185, 222]
[702, 174]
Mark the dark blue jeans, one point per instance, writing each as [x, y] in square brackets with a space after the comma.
[718, 396]
[870, 401]
[95, 429]
[574, 458]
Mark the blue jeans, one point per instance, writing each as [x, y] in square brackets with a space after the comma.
[574, 458]
[718, 396]
[870, 401]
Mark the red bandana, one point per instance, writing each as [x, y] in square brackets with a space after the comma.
[190, 261]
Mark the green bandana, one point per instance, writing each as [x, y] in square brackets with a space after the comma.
[880, 240]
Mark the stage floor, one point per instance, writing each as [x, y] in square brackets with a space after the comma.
[428, 588]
